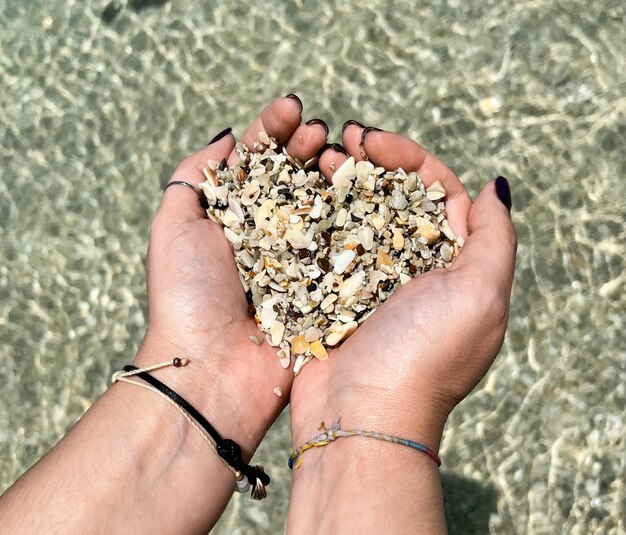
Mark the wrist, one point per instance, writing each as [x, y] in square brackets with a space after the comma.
[370, 407]
[210, 384]
[369, 476]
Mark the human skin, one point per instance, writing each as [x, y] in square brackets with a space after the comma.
[405, 368]
[132, 464]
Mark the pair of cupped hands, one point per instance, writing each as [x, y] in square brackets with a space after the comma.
[406, 366]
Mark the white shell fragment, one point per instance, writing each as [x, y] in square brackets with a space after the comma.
[344, 174]
[343, 260]
[436, 191]
[318, 259]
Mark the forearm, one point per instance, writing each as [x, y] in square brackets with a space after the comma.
[362, 485]
[133, 464]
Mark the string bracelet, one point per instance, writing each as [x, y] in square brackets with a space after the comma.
[334, 432]
[228, 451]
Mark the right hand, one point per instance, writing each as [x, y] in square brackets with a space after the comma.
[426, 347]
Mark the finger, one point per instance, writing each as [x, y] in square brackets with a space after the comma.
[351, 138]
[391, 150]
[279, 119]
[307, 140]
[331, 156]
[492, 243]
[180, 203]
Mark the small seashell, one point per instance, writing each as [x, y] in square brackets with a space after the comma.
[328, 300]
[398, 240]
[299, 345]
[342, 178]
[383, 259]
[436, 191]
[398, 200]
[209, 173]
[284, 357]
[268, 314]
[257, 340]
[235, 208]
[209, 192]
[446, 251]
[370, 184]
[264, 138]
[366, 237]
[284, 177]
[235, 239]
[378, 221]
[277, 329]
[342, 261]
[427, 229]
[296, 239]
[362, 170]
[278, 391]
[316, 211]
[447, 230]
[230, 219]
[311, 334]
[342, 215]
[351, 285]
[251, 193]
[318, 350]
[263, 213]
[298, 365]
[404, 278]
[341, 333]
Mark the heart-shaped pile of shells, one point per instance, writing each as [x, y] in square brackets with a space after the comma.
[317, 259]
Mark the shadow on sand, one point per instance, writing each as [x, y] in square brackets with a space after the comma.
[468, 505]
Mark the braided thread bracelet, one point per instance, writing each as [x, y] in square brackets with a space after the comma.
[228, 450]
[334, 432]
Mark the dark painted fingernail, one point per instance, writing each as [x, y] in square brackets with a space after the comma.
[297, 99]
[367, 131]
[348, 123]
[320, 122]
[339, 148]
[335, 146]
[503, 191]
[220, 135]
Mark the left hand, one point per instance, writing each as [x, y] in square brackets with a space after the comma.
[197, 306]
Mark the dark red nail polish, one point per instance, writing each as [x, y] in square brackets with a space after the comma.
[503, 191]
[320, 122]
[297, 99]
[367, 131]
[348, 123]
[220, 135]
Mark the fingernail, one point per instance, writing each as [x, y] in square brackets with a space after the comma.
[339, 148]
[503, 191]
[335, 146]
[320, 122]
[220, 135]
[348, 123]
[367, 131]
[297, 99]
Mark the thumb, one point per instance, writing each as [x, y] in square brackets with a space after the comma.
[492, 242]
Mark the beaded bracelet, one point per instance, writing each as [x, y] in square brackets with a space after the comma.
[334, 432]
[228, 450]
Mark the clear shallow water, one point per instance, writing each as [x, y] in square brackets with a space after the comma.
[94, 116]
